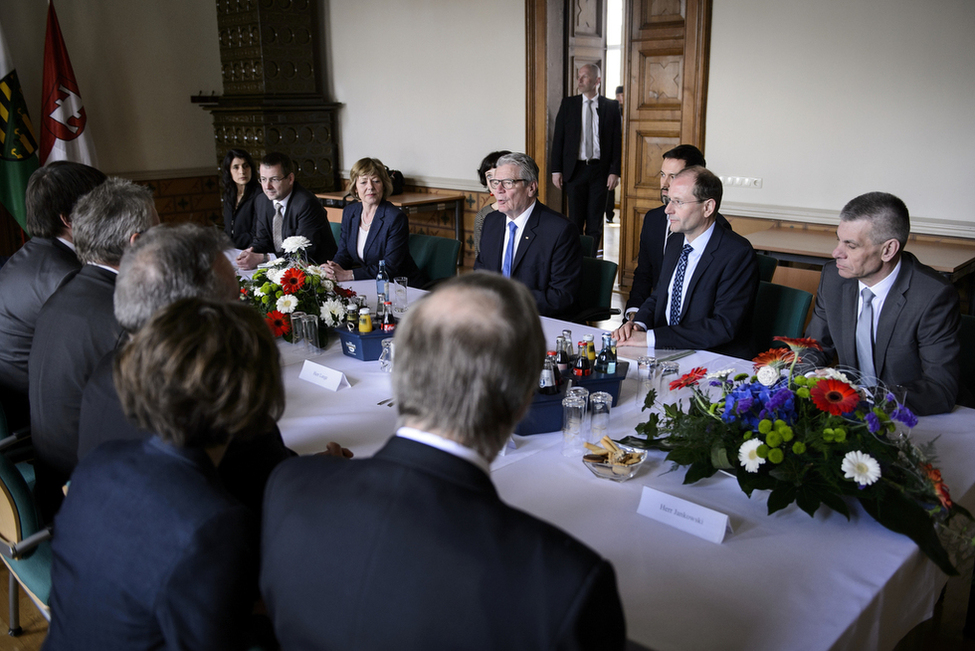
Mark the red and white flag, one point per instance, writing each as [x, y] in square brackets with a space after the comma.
[64, 125]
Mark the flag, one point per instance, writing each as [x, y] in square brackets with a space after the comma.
[18, 147]
[64, 133]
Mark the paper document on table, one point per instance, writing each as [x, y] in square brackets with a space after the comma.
[323, 376]
[687, 516]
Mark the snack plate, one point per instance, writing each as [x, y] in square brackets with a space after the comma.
[617, 473]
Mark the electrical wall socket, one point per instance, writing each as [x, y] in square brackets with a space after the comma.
[741, 182]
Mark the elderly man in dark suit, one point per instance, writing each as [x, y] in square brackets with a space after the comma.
[885, 314]
[587, 151]
[35, 271]
[656, 236]
[77, 326]
[528, 241]
[413, 548]
[284, 210]
[706, 292]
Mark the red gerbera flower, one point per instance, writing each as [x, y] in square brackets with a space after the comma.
[292, 280]
[834, 396]
[279, 323]
[344, 292]
[939, 486]
[799, 343]
[688, 379]
[776, 358]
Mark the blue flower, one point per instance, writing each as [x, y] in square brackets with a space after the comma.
[873, 423]
[904, 415]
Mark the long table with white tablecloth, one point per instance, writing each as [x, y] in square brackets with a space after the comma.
[785, 581]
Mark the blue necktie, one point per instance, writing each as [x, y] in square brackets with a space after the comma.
[509, 252]
[678, 290]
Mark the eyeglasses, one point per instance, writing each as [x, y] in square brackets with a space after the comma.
[507, 183]
[273, 179]
[681, 204]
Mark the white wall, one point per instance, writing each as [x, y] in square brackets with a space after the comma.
[429, 86]
[137, 64]
[827, 99]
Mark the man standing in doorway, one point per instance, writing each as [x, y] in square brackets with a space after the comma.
[587, 152]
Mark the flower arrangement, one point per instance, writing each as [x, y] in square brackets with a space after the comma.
[291, 285]
[810, 439]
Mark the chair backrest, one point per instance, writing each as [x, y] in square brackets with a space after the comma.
[596, 291]
[766, 267]
[588, 246]
[805, 279]
[336, 230]
[18, 515]
[780, 311]
[435, 256]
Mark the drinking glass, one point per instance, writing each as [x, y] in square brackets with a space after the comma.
[310, 331]
[646, 378]
[386, 357]
[399, 295]
[667, 372]
[297, 327]
[600, 404]
[573, 413]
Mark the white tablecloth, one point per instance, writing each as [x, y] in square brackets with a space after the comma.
[785, 581]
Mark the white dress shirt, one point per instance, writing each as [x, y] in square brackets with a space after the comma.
[595, 128]
[450, 447]
[879, 291]
[520, 220]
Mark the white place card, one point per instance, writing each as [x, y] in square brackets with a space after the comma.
[687, 516]
[323, 376]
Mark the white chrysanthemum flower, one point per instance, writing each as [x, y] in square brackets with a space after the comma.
[768, 375]
[295, 243]
[333, 312]
[748, 455]
[328, 285]
[830, 374]
[315, 270]
[287, 304]
[258, 292]
[719, 375]
[274, 275]
[860, 467]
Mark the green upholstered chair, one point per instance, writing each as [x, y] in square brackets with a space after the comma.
[595, 299]
[588, 246]
[435, 256]
[780, 311]
[336, 230]
[766, 267]
[24, 544]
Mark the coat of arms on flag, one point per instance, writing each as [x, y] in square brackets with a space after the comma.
[18, 147]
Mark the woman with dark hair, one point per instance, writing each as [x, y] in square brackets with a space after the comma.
[372, 230]
[485, 173]
[240, 186]
[151, 550]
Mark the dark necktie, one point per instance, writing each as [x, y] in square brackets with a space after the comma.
[276, 225]
[678, 290]
[587, 129]
[509, 252]
[864, 339]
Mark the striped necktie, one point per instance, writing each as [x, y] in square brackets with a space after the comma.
[678, 290]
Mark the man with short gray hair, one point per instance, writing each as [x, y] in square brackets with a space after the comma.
[882, 312]
[372, 536]
[166, 264]
[77, 326]
[530, 242]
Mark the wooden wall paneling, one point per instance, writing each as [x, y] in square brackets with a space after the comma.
[666, 52]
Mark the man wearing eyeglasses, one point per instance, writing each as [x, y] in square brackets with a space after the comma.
[656, 236]
[587, 151]
[286, 209]
[530, 242]
[706, 291]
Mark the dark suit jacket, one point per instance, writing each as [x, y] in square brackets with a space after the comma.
[548, 259]
[568, 133]
[717, 310]
[244, 469]
[413, 549]
[916, 342]
[151, 552]
[304, 216]
[27, 280]
[388, 239]
[238, 221]
[651, 255]
[75, 328]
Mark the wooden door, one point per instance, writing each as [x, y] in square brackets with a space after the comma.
[586, 39]
[666, 65]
